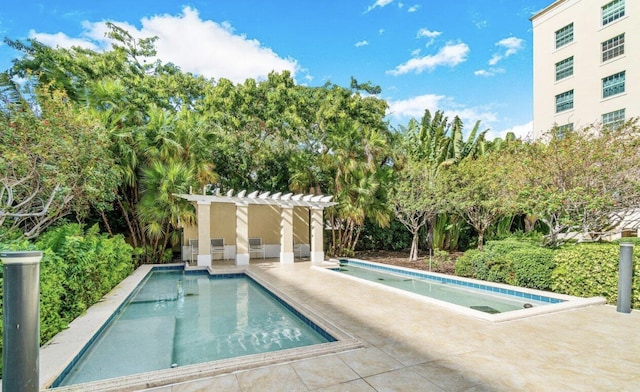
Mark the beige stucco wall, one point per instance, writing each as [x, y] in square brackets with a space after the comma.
[588, 70]
[300, 225]
[264, 222]
[223, 222]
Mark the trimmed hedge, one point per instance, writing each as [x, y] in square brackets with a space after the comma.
[531, 267]
[510, 261]
[76, 270]
[588, 270]
[583, 270]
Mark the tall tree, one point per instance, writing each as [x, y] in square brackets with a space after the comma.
[54, 162]
[479, 191]
[581, 182]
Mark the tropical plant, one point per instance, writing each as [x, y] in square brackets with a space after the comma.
[54, 162]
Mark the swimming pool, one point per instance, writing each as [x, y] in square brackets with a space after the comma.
[175, 320]
[485, 300]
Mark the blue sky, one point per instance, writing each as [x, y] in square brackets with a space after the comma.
[471, 58]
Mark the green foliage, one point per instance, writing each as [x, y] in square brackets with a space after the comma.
[532, 267]
[511, 261]
[76, 270]
[394, 237]
[92, 264]
[438, 258]
[54, 161]
[628, 240]
[592, 270]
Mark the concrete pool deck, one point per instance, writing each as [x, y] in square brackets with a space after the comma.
[412, 345]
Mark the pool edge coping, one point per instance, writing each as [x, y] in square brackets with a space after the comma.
[95, 318]
[570, 302]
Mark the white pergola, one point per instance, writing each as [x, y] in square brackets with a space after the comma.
[284, 202]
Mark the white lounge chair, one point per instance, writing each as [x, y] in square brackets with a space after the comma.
[217, 247]
[256, 246]
[193, 245]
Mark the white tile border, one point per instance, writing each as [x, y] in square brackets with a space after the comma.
[570, 302]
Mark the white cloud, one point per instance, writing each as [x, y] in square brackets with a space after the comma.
[62, 40]
[428, 33]
[431, 35]
[495, 59]
[413, 8]
[489, 72]
[379, 3]
[450, 55]
[509, 46]
[200, 46]
[361, 43]
[414, 107]
[522, 131]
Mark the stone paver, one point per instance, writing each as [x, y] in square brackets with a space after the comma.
[323, 371]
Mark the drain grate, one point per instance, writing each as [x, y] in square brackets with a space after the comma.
[486, 309]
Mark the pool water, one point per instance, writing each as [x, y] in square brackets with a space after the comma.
[176, 319]
[470, 297]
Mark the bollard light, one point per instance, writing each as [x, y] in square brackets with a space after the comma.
[625, 275]
[21, 317]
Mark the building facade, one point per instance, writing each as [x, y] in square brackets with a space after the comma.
[586, 64]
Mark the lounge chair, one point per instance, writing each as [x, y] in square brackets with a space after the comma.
[217, 247]
[193, 245]
[256, 246]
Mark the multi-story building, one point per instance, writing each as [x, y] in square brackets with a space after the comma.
[586, 64]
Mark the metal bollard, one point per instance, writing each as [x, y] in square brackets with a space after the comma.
[625, 274]
[21, 317]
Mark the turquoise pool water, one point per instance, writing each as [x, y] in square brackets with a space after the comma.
[175, 319]
[477, 296]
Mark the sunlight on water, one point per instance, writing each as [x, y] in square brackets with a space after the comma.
[176, 319]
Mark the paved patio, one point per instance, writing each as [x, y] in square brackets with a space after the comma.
[411, 345]
[415, 346]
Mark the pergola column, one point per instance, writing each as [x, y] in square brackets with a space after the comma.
[204, 234]
[286, 235]
[242, 234]
[317, 242]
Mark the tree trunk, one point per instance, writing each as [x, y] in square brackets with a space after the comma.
[480, 239]
[106, 223]
[413, 255]
[529, 223]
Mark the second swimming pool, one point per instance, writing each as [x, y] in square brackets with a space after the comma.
[489, 301]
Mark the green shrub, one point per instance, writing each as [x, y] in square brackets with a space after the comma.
[588, 270]
[629, 240]
[374, 237]
[93, 264]
[507, 261]
[484, 265]
[76, 270]
[532, 267]
[465, 263]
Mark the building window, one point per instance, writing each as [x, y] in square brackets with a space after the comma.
[564, 101]
[563, 130]
[564, 35]
[612, 11]
[564, 68]
[613, 120]
[613, 47]
[612, 85]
